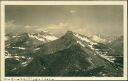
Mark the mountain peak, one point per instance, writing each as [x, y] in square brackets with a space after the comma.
[70, 34]
[70, 31]
[44, 33]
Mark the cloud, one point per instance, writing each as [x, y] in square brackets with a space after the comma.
[27, 26]
[31, 26]
[61, 28]
[58, 29]
[10, 23]
[72, 11]
[12, 27]
[58, 26]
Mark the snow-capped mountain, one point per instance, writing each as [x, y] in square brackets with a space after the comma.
[24, 40]
[20, 47]
[72, 54]
[23, 44]
[43, 36]
[98, 39]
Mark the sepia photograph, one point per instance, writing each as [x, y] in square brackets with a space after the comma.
[64, 41]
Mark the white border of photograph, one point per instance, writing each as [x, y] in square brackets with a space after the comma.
[3, 3]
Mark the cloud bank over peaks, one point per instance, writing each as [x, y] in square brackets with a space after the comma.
[57, 29]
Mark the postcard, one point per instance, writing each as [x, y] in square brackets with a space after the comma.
[63, 40]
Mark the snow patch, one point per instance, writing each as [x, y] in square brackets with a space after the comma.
[43, 37]
[50, 37]
[90, 60]
[85, 39]
[98, 39]
[109, 58]
[15, 36]
[22, 48]
[36, 37]
[36, 49]
[82, 38]
[18, 57]
[24, 63]
[14, 68]
[80, 43]
[91, 46]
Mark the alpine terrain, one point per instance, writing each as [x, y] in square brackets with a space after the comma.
[73, 54]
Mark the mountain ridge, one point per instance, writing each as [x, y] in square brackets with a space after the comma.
[72, 54]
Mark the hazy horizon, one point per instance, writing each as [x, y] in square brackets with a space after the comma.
[91, 19]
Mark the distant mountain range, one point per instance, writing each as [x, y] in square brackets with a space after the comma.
[73, 54]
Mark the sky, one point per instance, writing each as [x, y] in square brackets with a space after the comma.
[57, 19]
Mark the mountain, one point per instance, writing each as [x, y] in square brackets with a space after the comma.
[98, 39]
[117, 45]
[32, 38]
[27, 41]
[117, 48]
[110, 38]
[71, 55]
[69, 39]
[19, 48]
